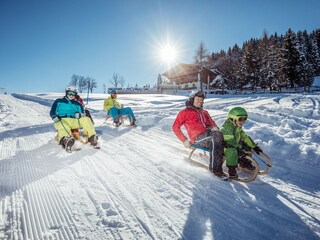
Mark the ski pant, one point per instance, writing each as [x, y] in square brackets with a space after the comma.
[115, 112]
[65, 126]
[231, 154]
[213, 140]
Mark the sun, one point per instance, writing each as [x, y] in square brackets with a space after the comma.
[168, 53]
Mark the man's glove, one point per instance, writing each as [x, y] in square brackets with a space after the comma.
[213, 129]
[77, 115]
[187, 144]
[257, 149]
[121, 105]
[55, 118]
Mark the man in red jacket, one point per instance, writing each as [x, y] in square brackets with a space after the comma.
[202, 131]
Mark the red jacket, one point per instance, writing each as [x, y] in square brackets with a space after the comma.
[195, 121]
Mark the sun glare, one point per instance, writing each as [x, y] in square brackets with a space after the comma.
[168, 54]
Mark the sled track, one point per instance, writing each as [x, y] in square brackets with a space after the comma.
[32, 207]
[124, 210]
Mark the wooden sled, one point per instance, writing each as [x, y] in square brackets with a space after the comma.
[79, 135]
[262, 164]
[123, 119]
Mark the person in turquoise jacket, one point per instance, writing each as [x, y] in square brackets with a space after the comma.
[115, 109]
[236, 141]
[67, 114]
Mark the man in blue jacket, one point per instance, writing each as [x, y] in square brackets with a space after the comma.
[67, 114]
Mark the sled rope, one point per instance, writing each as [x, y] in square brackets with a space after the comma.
[262, 160]
[65, 129]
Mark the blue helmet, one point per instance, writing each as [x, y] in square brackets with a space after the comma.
[113, 91]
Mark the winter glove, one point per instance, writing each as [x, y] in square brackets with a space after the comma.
[121, 105]
[77, 115]
[187, 144]
[213, 129]
[55, 118]
[257, 149]
[241, 153]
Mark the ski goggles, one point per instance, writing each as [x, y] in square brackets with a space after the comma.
[72, 93]
[241, 119]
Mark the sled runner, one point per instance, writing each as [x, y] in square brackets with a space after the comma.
[123, 121]
[79, 135]
[262, 163]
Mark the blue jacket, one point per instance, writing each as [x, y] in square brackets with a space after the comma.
[66, 108]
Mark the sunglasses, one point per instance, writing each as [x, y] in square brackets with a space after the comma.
[72, 93]
[241, 119]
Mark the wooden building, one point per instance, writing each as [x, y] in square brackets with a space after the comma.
[189, 76]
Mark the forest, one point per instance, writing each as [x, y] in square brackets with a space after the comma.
[274, 62]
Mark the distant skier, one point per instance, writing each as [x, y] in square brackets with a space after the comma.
[67, 114]
[236, 141]
[115, 109]
[202, 131]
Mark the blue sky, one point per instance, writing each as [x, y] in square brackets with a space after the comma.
[44, 42]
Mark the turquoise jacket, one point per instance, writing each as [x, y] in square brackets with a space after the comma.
[66, 108]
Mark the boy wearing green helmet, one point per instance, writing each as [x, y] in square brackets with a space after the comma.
[236, 141]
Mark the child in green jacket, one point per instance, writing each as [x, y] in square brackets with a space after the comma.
[237, 141]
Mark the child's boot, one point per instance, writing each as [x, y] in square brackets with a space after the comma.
[233, 173]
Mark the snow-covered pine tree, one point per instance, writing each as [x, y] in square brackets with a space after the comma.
[289, 57]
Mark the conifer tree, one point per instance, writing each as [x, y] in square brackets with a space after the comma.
[289, 59]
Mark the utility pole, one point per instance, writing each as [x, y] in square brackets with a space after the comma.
[88, 91]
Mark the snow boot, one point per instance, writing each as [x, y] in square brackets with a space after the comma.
[117, 122]
[93, 140]
[245, 163]
[67, 143]
[217, 171]
[133, 123]
[219, 174]
[233, 173]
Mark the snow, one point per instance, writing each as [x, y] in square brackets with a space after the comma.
[138, 185]
[316, 82]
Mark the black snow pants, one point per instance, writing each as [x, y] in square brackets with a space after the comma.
[213, 140]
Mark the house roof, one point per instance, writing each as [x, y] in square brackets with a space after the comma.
[180, 70]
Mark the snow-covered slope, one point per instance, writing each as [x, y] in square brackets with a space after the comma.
[138, 186]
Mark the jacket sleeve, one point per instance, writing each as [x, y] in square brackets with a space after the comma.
[211, 121]
[107, 104]
[247, 140]
[176, 127]
[229, 135]
[81, 107]
[117, 104]
[53, 109]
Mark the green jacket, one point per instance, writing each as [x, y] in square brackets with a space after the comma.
[235, 136]
[110, 103]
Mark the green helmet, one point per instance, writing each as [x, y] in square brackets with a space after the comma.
[238, 114]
